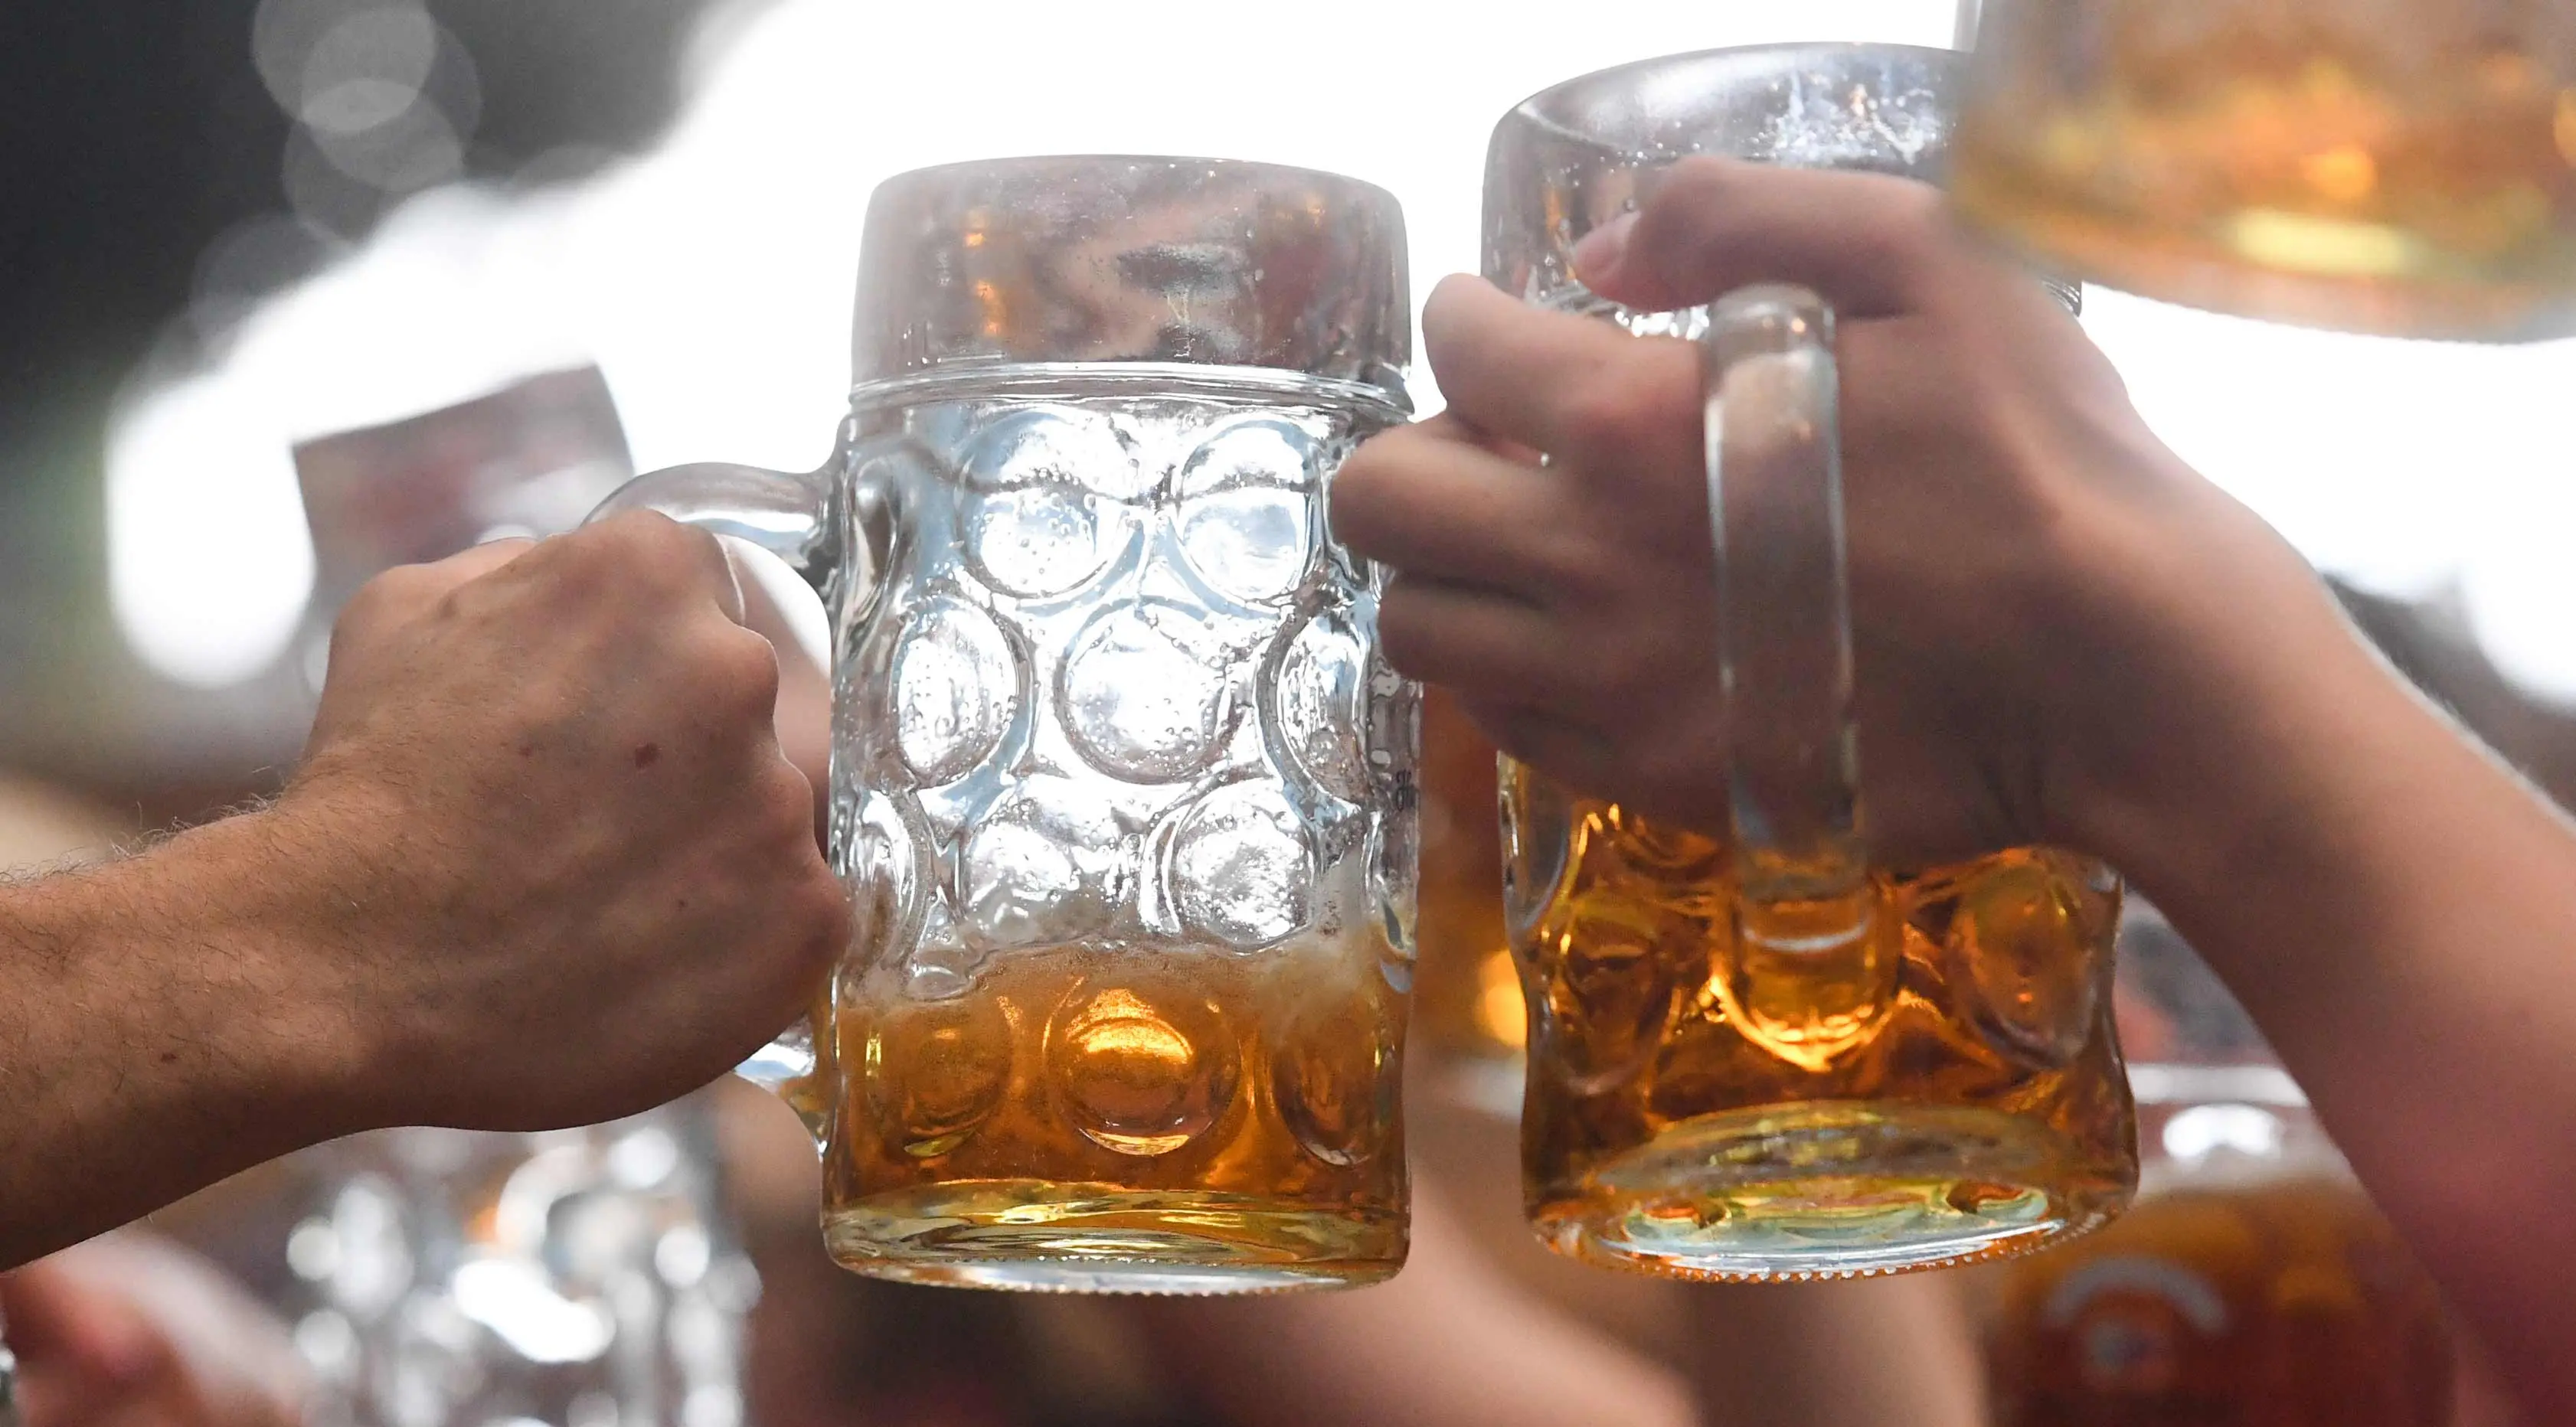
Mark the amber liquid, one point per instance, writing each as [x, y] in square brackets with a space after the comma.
[2378, 168]
[1951, 1092]
[2283, 1304]
[1113, 1121]
[1467, 994]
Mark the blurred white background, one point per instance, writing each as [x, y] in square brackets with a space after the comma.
[711, 279]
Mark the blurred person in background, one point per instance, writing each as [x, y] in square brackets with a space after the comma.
[2064, 635]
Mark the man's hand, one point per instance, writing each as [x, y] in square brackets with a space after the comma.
[566, 872]
[2007, 515]
[127, 1331]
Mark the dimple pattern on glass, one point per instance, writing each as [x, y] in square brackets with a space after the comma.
[1133, 706]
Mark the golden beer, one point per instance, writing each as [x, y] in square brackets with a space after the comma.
[2399, 168]
[1956, 1095]
[1228, 1112]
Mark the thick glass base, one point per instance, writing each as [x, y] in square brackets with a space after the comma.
[1830, 1189]
[1046, 1237]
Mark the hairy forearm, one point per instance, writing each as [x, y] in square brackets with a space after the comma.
[2398, 912]
[159, 1032]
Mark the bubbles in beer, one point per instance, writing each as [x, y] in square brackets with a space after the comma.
[936, 1077]
[1139, 1077]
[1611, 980]
[2005, 945]
[1333, 1076]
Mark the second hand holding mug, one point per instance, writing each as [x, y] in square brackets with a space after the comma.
[1120, 783]
[1764, 1057]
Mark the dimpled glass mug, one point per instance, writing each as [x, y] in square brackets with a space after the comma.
[1764, 1055]
[1120, 783]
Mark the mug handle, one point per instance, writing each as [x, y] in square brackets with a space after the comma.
[1808, 967]
[788, 515]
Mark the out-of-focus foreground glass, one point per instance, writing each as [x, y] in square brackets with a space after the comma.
[2253, 1282]
[1764, 1057]
[434, 1276]
[1120, 784]
[2396, 166]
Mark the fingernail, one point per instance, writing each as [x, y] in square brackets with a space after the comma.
[1598, 254]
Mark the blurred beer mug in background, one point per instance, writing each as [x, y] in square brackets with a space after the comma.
[582, 1275]
[2253, 1283]
[2396, 166]
[1121, 786]
[1763, 1057]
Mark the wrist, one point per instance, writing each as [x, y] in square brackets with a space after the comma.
[2229, 694]
[277, 897]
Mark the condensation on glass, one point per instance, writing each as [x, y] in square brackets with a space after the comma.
[1121, 786]
[1762, 1055]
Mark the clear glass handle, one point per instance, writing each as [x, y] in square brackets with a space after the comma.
[788, 515]
[1810, 966]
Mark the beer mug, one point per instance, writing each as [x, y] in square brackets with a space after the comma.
[1121, 785]
[2396, 166]
[1762, 1056]
[2253, 1282]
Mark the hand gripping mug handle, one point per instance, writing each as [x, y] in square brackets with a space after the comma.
[790, 516]
[1807, 968]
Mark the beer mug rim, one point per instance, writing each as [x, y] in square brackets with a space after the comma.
[1133, 259]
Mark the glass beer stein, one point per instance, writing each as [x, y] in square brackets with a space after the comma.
[1120, 783]
[2253, 1284]
[1762, 1056]
[2395, 166]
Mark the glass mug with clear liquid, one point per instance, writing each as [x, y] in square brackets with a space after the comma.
[1121, 785]
[1763, 1056]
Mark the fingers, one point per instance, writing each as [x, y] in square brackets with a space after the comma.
[1461, 637]
[646, 545]
[1570, 752]
[1429, 500]
[1866, 242]
[1554, 381]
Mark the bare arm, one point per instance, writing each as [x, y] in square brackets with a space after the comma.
[544, 865]
[2062, 635]
[2398, 912]
[156, 1035]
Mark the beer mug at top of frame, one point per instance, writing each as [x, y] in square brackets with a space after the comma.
[1121, 786]
[1762, 1055]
